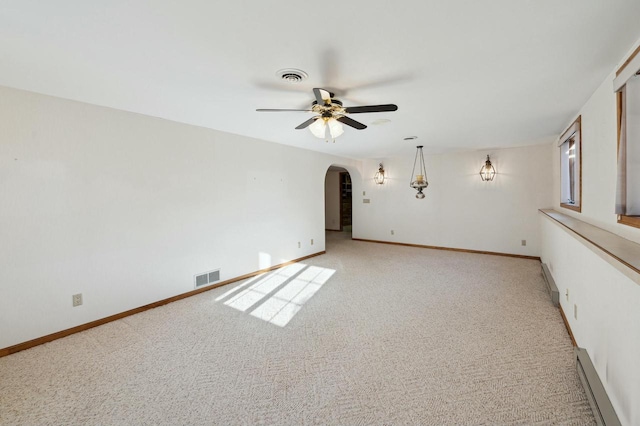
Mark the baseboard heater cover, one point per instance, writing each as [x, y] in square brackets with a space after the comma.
[551, 285]
[598, 399]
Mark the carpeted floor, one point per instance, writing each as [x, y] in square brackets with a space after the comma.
[367, 334]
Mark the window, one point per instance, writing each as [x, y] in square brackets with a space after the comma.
[571, 167]
[627, 86]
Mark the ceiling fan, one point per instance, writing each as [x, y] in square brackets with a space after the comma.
[331, 113]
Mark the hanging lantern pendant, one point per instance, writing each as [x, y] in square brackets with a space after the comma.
[419, 174]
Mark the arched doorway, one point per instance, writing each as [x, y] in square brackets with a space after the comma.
[338, 202]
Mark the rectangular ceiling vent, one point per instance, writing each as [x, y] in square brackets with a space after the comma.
[207, 278]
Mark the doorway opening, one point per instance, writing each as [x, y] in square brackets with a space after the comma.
[338, 202]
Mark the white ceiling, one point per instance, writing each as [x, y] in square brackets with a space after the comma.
[465, 74]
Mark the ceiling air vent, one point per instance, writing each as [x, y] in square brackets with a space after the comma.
[292, 75]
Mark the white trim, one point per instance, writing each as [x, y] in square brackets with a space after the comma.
[629, 70]
[575, 128]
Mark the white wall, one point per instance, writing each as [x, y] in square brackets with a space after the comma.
[608, 320]
[599, 163]
[126, 208]
[460, 210]
[608, 323]
[332, 200]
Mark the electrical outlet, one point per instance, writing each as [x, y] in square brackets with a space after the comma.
[575, 311]
[298, 244]
[393, 232]
[77, 299]
[312, 241]
[524, 242]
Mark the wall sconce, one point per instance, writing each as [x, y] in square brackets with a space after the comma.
[379, 177]
[420, 174]
[487, 172]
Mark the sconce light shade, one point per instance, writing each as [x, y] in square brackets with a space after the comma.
[379, 177]
[487, 172]
[419, 174]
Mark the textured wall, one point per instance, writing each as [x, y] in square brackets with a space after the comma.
[599, 163]
[608, 320]
[460, 210]
[126, 208]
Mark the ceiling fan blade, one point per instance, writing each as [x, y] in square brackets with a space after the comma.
[371, 108]
[281, 110]
[307, 123]
[351, 122]
[322, 96]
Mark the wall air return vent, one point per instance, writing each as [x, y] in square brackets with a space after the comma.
[207, 278]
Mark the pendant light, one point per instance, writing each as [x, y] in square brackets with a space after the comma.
[487, 172]
[419, 173]
[379, 177]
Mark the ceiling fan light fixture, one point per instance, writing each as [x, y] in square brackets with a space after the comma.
[318, 128]
[335, 127]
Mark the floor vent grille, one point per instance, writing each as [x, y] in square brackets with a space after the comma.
[551, 285]
[207, 278]
[598, 399]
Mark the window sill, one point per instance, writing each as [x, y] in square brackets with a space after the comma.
[629, 221]
[621, 253]
[571, 207]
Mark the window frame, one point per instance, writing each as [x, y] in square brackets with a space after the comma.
[574, 127]
[633, 221]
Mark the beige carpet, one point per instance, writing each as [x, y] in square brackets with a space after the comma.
[367, 334]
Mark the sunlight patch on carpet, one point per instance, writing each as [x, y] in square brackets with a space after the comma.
[276, 297]
[238, 287]
[280, 308]
[252, 295]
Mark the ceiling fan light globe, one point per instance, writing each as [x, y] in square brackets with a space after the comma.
[335, 128]
[318, 128]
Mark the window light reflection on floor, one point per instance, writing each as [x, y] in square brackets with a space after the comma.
[236, 288]
[247, 298]
[299, 283]
[282, 306]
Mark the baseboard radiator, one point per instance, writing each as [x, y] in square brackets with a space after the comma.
[551, 285]
[598, 399]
